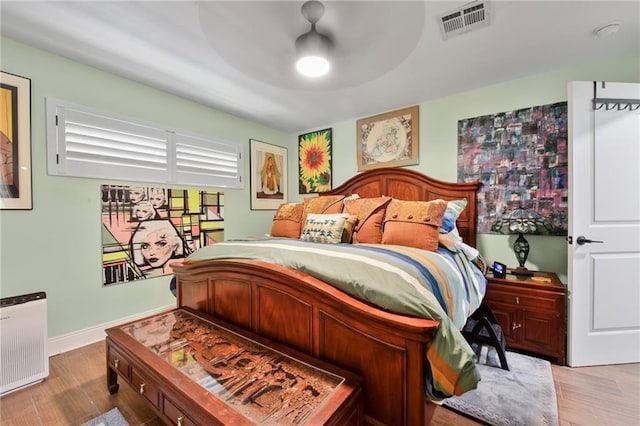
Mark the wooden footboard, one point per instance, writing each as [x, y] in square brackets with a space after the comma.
[304, 313]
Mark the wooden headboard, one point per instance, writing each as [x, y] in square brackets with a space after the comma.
[407, 184]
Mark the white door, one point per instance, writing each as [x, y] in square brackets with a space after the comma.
[604, 205]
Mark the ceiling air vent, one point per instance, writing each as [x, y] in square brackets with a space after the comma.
[463, 19]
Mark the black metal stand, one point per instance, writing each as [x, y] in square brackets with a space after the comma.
[482, 327]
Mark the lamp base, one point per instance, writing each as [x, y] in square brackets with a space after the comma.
[521, 271]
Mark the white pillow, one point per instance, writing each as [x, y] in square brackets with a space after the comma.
[324, 228]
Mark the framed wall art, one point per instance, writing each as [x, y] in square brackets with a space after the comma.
[388, 140]
[314, 162]
[521, 158]
[145, 230]
[15, 143]
[268, 164]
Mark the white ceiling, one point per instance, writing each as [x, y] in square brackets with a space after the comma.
[238, 56]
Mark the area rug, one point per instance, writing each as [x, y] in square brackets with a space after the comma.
[525, 395]
[112, 417]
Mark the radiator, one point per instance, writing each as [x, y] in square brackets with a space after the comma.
[24, 357]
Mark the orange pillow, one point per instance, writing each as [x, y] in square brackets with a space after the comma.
[324, 204]
[370, 213]
[349, 227]
[414, 223]
[288, 221]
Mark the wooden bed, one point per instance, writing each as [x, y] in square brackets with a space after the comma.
[302, 312]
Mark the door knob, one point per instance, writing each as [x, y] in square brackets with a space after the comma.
[583, 240]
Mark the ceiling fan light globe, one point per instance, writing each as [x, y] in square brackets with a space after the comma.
[313, 66]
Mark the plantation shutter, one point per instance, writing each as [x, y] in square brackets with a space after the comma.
[199, 161]
[91, 144]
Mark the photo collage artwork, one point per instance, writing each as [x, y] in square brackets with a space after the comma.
[520, 157]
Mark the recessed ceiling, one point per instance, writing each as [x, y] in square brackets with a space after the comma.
[248, 41]
[239, 56]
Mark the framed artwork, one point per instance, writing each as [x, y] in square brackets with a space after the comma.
[268, 164]
[314, 162]
[145, 230]
[521, 158]
[15, 143]
[388, 140]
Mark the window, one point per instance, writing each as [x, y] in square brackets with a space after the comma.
[86, 143]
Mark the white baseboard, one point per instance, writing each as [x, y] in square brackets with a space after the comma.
[77, 339]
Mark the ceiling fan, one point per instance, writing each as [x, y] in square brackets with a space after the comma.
[313, 48]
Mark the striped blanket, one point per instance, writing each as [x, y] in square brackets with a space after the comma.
[442, 286]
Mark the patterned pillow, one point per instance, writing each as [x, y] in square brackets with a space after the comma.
[451, 215]
[370, 213]
[324, 204]
[349, 228]
[287, 221]
[324, 228]
[414, 223]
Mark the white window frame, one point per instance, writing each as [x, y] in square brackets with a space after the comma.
[87, 143]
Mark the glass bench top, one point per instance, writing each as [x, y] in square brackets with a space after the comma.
[264, 385]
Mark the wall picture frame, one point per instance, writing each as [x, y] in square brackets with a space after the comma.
[268, 165]
[314, 162]
[15, 143]
[521, 158]
[390, 139]
[146, 230]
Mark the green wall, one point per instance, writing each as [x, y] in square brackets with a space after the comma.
[56, 247]
[439, 144]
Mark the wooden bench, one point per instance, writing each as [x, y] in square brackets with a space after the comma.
[192, 370]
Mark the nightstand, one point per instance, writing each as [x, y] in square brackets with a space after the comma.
[531, 311]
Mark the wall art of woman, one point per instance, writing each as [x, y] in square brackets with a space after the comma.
[153, 244]
[270, 175]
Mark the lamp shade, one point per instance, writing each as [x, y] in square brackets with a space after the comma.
[521, 221]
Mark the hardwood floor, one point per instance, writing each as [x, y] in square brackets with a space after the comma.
[76, 392]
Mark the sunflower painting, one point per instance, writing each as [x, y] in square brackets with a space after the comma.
[314, 161]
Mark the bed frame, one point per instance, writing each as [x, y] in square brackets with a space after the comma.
[302, 312]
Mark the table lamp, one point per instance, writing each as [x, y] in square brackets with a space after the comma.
[521, 221]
